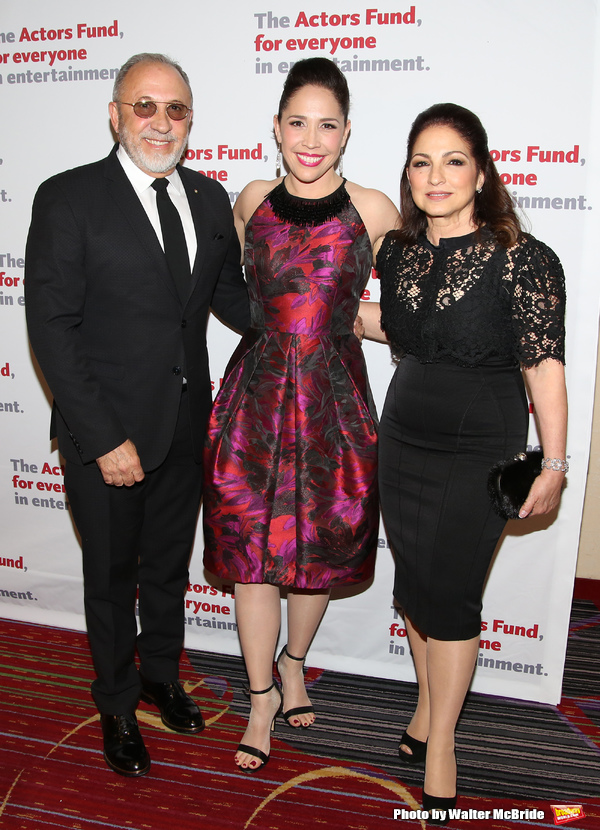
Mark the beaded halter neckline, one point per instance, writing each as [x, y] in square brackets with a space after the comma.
[307, 212]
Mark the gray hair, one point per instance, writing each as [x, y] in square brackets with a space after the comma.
[147, 57]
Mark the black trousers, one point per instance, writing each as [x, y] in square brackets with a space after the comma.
[136, 542]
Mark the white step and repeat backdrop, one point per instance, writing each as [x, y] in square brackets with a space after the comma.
[530, 70]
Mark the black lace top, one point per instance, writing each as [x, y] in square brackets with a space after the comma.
[468, 301]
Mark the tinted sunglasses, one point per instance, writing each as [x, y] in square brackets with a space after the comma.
[146, 109]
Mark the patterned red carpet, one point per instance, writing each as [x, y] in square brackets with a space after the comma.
[52, 774]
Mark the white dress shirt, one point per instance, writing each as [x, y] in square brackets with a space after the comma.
[142, 184]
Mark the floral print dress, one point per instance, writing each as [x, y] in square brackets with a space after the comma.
[290, 492]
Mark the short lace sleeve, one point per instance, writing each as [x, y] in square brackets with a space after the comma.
[538, 302]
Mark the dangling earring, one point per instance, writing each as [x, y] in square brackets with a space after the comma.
[341, 163]
[278, 162]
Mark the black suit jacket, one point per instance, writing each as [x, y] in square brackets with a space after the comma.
[105, 321]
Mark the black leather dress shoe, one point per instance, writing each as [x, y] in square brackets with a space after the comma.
[177, 709]
[124, 749]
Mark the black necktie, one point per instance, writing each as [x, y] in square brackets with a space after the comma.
[176, 250]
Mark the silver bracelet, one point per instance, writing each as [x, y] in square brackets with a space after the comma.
[559, 465]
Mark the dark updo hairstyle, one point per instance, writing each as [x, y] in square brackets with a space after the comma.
[493, 207]
[316, 72]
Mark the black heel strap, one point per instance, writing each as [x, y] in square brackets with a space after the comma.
[262, 691]
[291, 656]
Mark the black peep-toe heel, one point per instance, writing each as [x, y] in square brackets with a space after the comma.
[418, 749]
[442, 805]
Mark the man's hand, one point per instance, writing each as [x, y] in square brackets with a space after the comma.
[121, 466]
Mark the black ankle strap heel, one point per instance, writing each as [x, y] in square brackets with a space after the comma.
[298, 710]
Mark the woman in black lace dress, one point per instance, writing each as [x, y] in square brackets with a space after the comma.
[471, 305]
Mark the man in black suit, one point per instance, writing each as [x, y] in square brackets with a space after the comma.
[117, 318]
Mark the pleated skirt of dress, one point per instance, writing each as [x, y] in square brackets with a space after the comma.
[291, 464]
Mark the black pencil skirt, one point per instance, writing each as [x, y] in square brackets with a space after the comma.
[443, 427]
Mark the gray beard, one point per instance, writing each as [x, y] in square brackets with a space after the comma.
[149, 161]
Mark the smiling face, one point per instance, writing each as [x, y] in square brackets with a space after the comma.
[444, 178]
[154, 144]
[312, 133]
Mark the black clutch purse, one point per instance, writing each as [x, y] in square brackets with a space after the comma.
[509, 482]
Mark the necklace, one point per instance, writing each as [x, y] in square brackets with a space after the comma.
[300, 211]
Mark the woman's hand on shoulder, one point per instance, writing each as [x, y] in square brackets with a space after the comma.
[247, 202]
[377, 211]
